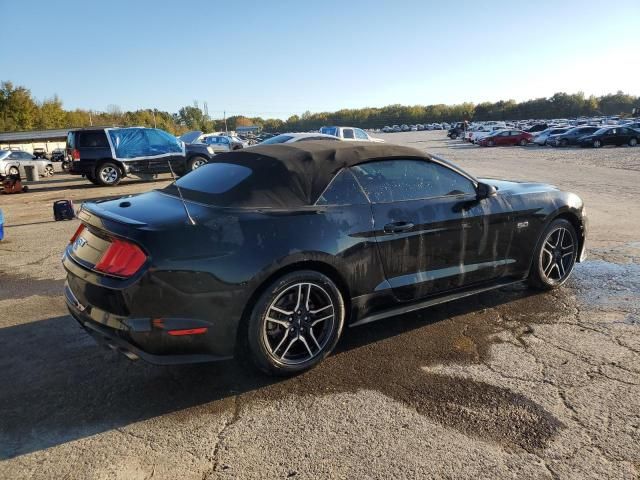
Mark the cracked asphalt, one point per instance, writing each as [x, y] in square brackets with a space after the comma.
[508, 384]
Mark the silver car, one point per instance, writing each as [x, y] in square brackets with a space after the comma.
[13, 163]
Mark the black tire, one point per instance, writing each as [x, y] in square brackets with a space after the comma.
[490, 143]
[564, 142]
[196, 162]
[313, 337]
[49, 171]
[633, 142]
[454, 136]
[14, 171]
[93, 180]
[597, 143]
[552, 265]
[523, 142]
[108, 175]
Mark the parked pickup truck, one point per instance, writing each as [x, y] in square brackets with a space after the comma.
[350, 134]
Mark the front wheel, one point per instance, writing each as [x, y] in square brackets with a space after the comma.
[454, 136]
[14, 171]
[295, 323]
[49, 171]
[490, 143]
[523, 142]
[555, 256]
[195, 163]
[108, 175]
[563, 142]
[597, 144]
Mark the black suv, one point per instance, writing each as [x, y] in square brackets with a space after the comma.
[105, 155]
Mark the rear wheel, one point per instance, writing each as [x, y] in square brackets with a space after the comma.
[295, 323]
[523, 142]
[555, 256]
[108, 175]
[491, 143]
[454, 136]
[14, 171]
[633, 142]
[597, 144]
[48, 171]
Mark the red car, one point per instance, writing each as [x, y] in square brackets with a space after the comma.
[506, 137]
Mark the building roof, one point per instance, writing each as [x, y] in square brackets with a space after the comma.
[17, 137]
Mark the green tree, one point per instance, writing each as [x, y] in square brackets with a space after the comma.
[18, 111]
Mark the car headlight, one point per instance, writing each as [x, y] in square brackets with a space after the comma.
[210, 150]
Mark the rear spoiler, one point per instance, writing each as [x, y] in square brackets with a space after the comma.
[92, 214]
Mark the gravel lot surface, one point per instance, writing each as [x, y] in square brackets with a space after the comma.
[508, 384]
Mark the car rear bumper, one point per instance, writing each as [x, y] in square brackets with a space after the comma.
[82, 167]
[145, 338]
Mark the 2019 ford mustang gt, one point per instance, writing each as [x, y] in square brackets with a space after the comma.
[271, 250]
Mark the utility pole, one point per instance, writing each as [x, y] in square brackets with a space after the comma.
[90, 119]
[154, 118]
[226, 130]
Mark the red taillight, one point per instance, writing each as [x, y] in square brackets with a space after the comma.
[77, 234]
[122, 259]
[75, 155]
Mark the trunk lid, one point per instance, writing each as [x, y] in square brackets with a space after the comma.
[156, 223]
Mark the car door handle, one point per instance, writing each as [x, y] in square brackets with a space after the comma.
[398, 227]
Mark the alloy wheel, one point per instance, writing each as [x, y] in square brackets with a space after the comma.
[109, 174]
[633, 142]
[299, 323]
[197, 164]
[558, 255]
[597, 144]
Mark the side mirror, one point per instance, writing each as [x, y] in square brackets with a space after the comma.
[485, 190]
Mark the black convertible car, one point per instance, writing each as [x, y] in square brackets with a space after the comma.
[270, 251]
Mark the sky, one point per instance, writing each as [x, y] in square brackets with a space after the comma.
[276, 58]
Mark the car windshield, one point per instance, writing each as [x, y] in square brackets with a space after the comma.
[4, 153]
[602, 130]
[277, 139]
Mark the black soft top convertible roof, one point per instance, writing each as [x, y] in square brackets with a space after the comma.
[292, 175]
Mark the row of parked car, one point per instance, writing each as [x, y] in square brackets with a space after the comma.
[626, 132]
[415, 128]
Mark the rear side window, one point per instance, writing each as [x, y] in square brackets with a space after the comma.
[92, 139]
[347, 133]
[329, 131]
[400, 180]
[343, 190]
